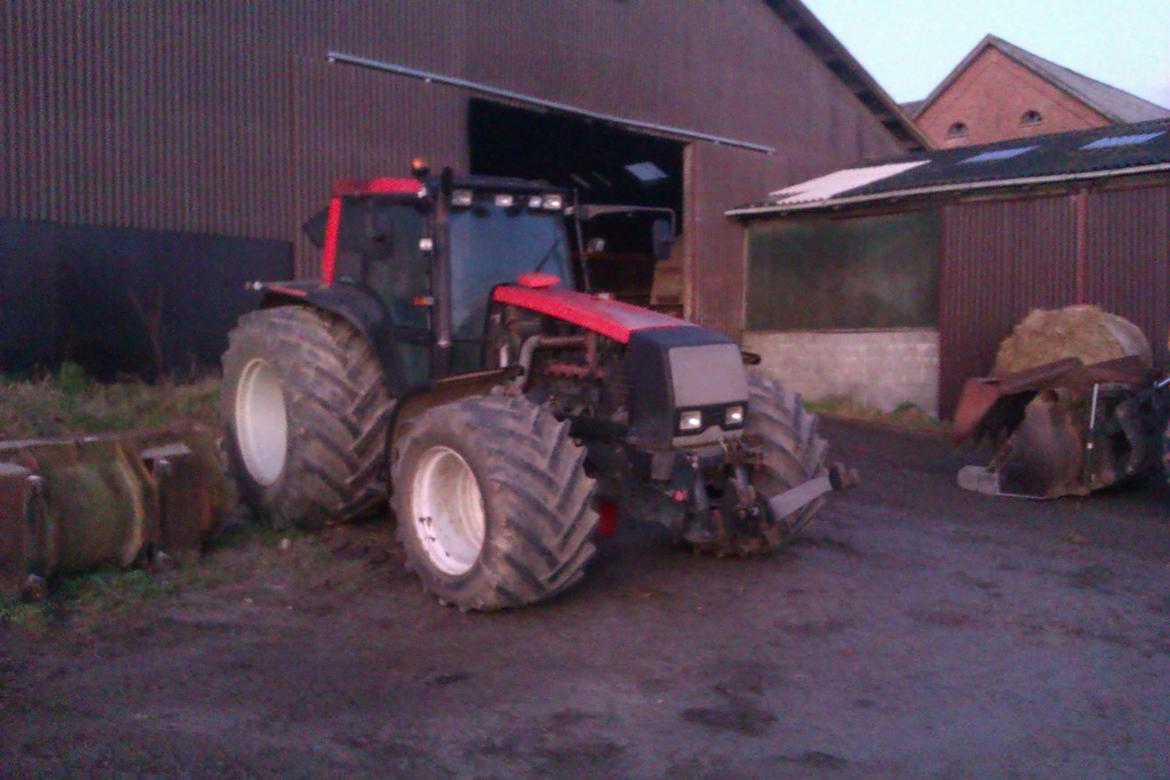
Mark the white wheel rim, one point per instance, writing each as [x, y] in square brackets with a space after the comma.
[261, 421]
[447, 507]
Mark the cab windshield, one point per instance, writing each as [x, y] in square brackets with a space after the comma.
[493, 245]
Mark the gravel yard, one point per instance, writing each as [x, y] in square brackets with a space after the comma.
[916, 631]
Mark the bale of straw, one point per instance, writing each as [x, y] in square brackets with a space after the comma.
[1085, 332]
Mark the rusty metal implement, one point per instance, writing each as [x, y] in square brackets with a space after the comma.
[76, 503]
[1063, 428]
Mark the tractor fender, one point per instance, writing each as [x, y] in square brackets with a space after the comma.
[363, 310]
[447, 390]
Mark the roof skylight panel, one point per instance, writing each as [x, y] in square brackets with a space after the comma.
[997, 154]
[1122, 140]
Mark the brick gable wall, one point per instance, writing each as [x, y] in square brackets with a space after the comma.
[991, 96]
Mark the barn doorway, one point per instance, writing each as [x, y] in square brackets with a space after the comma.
[606, 166]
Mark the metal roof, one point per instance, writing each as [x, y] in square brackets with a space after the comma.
[856, 78]
[837, 182]
[1114, 104]
[911, 107]
[1081, 154]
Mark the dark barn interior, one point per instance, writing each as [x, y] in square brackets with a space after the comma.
[603, 164]
[568, 151]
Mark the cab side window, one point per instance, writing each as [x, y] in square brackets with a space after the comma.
[377, 243]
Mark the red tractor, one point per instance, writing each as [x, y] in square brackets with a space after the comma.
[452, 357]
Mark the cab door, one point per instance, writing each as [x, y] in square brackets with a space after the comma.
[378, 248]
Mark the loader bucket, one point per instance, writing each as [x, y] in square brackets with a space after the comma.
[1052, 439]
[21, 526]
[78, 503]
[1043, 457]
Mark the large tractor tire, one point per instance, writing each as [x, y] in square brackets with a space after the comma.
[792, 454]
[493, 504]
[305, 411]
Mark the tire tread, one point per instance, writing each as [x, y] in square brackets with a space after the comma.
[339, 409]
[540, 491]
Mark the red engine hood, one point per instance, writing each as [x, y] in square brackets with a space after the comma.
[613, 319]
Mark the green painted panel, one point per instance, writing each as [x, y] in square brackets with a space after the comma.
[823, 273]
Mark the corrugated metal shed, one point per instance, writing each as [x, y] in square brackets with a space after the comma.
[1127, 258]
[999, 260]
[1054, 225]
[226, 118]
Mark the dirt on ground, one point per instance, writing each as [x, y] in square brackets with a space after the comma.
[915, 631]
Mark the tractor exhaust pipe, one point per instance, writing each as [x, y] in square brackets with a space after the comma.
[533, 343]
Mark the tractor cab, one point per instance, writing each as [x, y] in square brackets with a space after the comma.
[406, 241]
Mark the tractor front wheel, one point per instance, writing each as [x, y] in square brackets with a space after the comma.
[492, 502]
[791, 454]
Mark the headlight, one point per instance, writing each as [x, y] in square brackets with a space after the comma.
[690, 421]
[733, 416]
[504, 200]
[535, 201]
[554, 202]
[461, 198]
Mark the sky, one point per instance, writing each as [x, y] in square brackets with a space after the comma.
[910, 45]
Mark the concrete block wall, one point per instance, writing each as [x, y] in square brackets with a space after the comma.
[878, 368]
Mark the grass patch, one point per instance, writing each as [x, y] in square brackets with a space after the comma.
[90, 597]
[31, 617]
[906, 415]
[106, 597]
[110, 590]
[70, 402]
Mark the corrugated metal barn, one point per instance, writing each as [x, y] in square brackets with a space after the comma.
[229, 119]
[914, 269]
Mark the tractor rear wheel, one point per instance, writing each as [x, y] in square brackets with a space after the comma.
[792, 454]
[305, 411]
[492, 501]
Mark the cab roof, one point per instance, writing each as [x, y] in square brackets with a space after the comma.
[387, 185]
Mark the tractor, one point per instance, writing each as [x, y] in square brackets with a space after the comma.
[452, 358]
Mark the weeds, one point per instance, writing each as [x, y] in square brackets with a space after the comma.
[107, 599]
[70, 402]
[30, 617]
[905, 415]
[93, 596]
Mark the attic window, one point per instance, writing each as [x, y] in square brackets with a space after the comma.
[957, 130]
[997, 154]
[1031, 117]
[1122, 140]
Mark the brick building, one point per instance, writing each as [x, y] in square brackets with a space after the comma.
[1001, 91]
